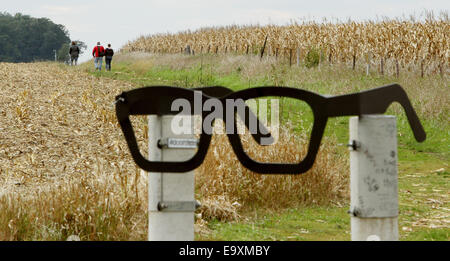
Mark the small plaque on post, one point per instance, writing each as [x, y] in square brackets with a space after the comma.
[178, 143]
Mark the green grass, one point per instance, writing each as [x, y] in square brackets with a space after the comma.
[423, 167]
[303, 223]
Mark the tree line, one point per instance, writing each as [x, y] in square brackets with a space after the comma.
[27, 39]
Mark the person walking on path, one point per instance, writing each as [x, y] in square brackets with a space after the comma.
[109, 52]
[74, 52]
[98, 52]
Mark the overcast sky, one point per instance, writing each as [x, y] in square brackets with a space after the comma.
[120, 21]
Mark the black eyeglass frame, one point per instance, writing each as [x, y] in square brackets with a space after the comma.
[156, 100]
[373, 101]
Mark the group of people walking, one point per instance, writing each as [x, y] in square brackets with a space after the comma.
[98, 53]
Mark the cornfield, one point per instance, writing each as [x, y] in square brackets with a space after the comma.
[406, 42]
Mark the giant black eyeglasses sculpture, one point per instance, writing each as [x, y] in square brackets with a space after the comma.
[157, 100]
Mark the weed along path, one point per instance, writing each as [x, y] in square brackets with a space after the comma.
[66, 169]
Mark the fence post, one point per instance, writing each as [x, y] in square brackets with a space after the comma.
[171, 201]
[263, 48]
[368, 63]
[320, 58]
[397, 69]
[187, 50]
[298, 56]
[290, 57]
[354, 62]
[421, 69]
[373, 178]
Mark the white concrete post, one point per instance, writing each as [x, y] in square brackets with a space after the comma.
[175, 189]
[373, 178]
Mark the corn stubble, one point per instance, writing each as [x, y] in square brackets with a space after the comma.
[66, 169]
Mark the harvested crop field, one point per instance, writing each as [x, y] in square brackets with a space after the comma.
[64, 165]
[56, 122]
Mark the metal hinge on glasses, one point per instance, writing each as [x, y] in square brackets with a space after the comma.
[118, 99]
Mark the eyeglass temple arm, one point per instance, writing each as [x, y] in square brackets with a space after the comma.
[375, 101]
[220, 91]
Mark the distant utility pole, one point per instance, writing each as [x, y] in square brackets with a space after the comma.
[55, 54]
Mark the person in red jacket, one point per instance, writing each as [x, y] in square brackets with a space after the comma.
[98, 52]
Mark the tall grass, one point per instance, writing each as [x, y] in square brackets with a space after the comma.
[222, 175]
[91, 208]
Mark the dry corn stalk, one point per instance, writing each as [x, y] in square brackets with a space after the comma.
[407, 41]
